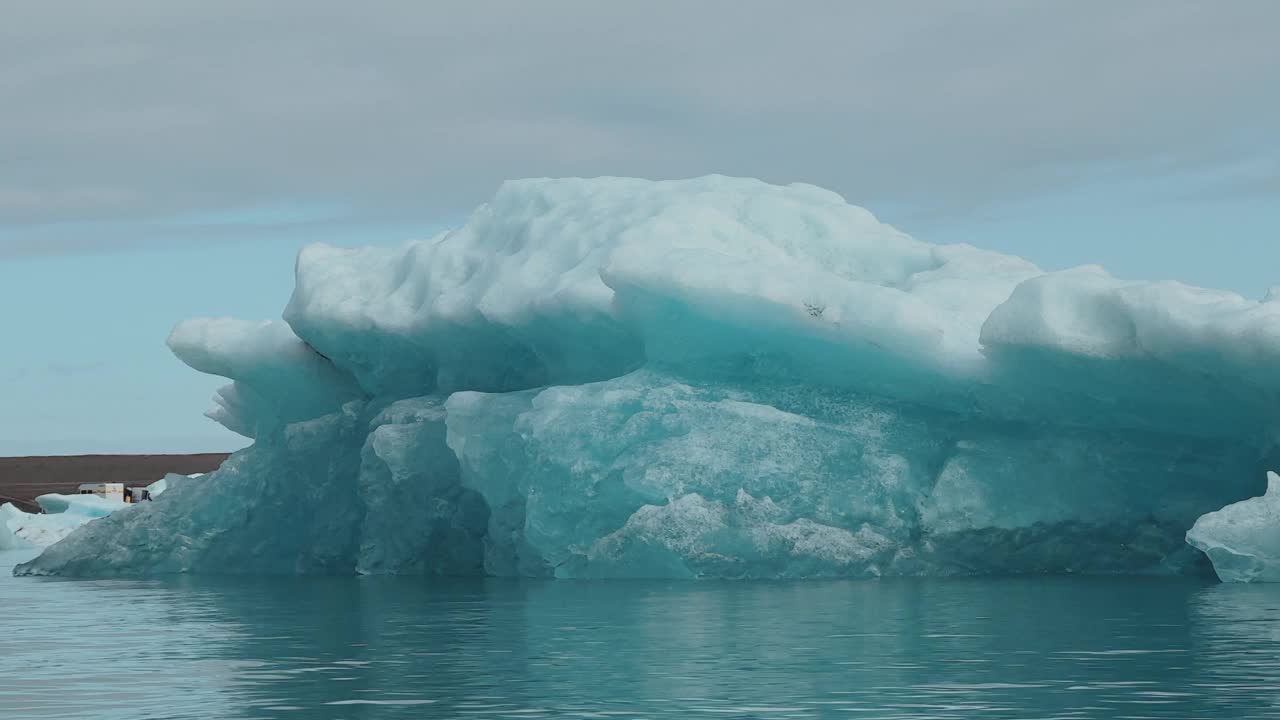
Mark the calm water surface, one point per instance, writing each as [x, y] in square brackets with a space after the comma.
[404, 647]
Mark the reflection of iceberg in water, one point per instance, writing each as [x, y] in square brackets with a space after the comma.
[115, 650]
[897, 648]
[1235, 636]
[710, 378]
[911, 647]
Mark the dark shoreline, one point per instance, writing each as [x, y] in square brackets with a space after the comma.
[23, 478]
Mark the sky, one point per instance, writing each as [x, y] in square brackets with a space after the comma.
[163, 160]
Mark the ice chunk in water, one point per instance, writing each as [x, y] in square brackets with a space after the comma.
[1243, 539]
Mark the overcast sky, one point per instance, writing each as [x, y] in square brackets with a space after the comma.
[150, 150]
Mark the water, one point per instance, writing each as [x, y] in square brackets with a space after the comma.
[406, 647]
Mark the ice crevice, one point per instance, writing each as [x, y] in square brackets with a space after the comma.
[716, 377]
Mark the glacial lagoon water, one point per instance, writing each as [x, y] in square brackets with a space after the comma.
[381, 647]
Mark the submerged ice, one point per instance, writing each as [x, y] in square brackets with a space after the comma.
[710, 378]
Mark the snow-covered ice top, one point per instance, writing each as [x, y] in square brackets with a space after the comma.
[566, 281]
[569, 281]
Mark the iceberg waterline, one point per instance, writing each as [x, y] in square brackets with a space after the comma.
[710, 378]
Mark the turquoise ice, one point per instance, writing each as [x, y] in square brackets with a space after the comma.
[714, 377]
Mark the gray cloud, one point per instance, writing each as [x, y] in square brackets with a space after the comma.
[59, 368]
[66, 369]
[131, 110]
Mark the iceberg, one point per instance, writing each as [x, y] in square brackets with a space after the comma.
[1243, 539]
[715, 377]
[87, 506]
[12, 521]
[60, 515]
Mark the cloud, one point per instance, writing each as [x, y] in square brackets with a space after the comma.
[59, 368]
[66, 369]
[18, 204]
[134, 110]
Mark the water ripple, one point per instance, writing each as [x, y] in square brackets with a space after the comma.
[418, 648]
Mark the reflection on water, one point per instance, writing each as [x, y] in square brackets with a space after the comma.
[407, 647]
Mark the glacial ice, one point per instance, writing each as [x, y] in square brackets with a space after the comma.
[1243, 539]
[714, 377]
[11, 522]
[60, 515]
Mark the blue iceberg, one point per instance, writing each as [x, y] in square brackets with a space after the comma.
[714, 377]
[1243, 539]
